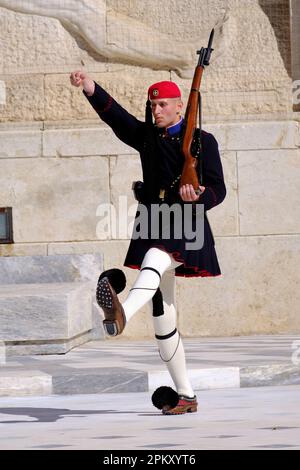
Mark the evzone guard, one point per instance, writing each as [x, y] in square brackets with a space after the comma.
[181, 166]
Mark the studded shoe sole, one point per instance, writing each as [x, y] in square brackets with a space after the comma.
[107, 299]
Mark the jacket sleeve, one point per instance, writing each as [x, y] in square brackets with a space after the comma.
[125, 126]
[213, 178]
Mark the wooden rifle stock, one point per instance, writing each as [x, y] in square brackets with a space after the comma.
[189, 173]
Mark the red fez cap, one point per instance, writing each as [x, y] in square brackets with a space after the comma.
[164, 89]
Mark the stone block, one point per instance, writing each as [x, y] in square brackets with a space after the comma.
[269, 192]
[257, 293]
[38, 44]
[270, 375]
[122, 198]
[99, 380]
[24, 98]
[50, 269]
[27, 382]
[224, 217]
[83, 142]
[23, 249]
[62, 308]
[56, 199]
[2, 93]
[258, 135]
[20, 144]
[44, 313]
[201, 379]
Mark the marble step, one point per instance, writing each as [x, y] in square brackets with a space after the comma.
[52, 268]
[67, 381]
[45, 318]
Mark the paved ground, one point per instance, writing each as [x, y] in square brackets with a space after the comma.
[119, 366]
[245, 418]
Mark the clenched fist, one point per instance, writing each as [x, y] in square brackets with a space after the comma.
[79, 78]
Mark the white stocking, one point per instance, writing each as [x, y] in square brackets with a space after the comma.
[158, 270]
[168, 339]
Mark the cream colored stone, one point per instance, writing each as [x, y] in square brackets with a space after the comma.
[40, 45]
[54, 200]
[113, 251]
[21, 126]
[2, 93]
[257, 293]
[100, 140]
[256, 135]
[23, 249]
[62, 101]
[269, 192]
[82, 142]
[241, 80]
[124, 170]
[16, 144]
[140, 325]
[27, 382]
[241, 105]
[224, 218]
[295, 38]
[24, 98]
[116, 36]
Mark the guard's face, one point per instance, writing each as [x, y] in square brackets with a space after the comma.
[166, 111]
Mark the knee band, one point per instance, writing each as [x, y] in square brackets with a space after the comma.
[169, 335]
[164, 337]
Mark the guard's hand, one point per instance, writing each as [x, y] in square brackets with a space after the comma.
[188, 194]
[76, 78]
[79, 78]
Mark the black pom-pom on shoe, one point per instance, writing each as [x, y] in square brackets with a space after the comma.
[165, 397]
[116, 278]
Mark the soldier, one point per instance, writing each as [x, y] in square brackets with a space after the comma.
[160, 259]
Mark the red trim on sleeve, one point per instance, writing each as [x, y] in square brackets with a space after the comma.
[108, 106]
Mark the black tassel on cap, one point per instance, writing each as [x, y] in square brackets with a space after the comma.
[165, 396]
[148, 114]
[116, 278]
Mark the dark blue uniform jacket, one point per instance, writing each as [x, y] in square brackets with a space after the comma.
[162, 162]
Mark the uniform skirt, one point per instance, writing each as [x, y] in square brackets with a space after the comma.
[201, 262]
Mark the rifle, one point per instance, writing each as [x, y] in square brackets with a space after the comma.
[189, 173]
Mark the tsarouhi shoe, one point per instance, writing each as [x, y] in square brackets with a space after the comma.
[184, 405]
[109, 284]
[170, 403]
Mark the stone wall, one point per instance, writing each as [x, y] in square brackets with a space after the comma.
[61, 175]
[249, 75]
[295, 42]
[58, 162]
